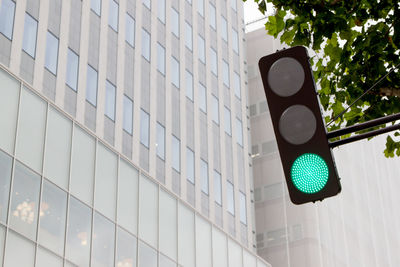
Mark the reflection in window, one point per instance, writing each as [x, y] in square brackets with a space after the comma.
[217, 188]
[202, 49]
[30, 31]
[160, 58]
[190, 165]
[214, 63]
[113, 15]
[230, 197]
[215, 109]
[227, 123]
[130, 30]
[204, 176]
[103, 242]
[213, 19]
[95, 5]
[235, 41]
[236, 84]
[144, 128]
[91, 86]
[25, 201]
[189, 84]
[188, 36]
[202, 98]
[127, 123]
[175, 22]
[78, 233]
[200, 7]
[160, 145]
[145, 44]
[225, 73]
[161, 10]
[175, 72]
[5, 179]
[243, 212]
[7, 11]
[72, 69]
[110, 100]
[176, 154]
[53, 208]
[147, 256]
[224, 28]
[126, 249]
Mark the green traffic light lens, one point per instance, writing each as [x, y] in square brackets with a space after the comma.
[309, 173]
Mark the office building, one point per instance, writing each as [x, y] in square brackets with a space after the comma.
[124, 136]
[355, 228]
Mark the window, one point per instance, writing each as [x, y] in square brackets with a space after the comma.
[236, 84]
[7, 11]
[176, 154]
[239, 132]
[51, 53]
[228, 128]
[235, 41]
[110, 100]
[202, 98]
[72, 70]
[91, 86]
[145, 44]
[5, 174]
[175, 72]
[95, 5]
[204, 176]
[214, 63]
[147, 3]
[127, 123]
[160, 58]
[144, 127]
[217, 188]
[188, 36]
[234, 5]
[202, 49]
[160, 145]
[243, 212]
[113, 15]
[130, 30]
[189, 84]
[126, 249]
[161, 10]
[230, 198]
[213, 22]
[175, 22]
[190, 165]
[224, 28]
[200, 7]
[225, 73]
[30, 30]
[103, 241]
[215, 109]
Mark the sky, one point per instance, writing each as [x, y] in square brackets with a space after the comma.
[251, 13]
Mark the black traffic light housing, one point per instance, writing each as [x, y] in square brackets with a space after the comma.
[300, 132]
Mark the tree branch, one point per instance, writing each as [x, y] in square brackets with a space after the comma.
[389, 91]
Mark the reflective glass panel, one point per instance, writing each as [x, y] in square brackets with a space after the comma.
[144, 128]
[147, 256]
[202, 49]
[217, 188]
[161, 10]
[51, 53]
[200, 7]
[214, 63]
[188, 36]
[235, 41]
[160, 58]
[175, 72]
[78, 233]
[202, 98]
[148, 211]
[110, 100]
[29, 39]
[204, 176]
[129, 30]
[160, 145]
[126, 249]
[243, 210]
[53, 209]
[224, 29]
[212, 17]
[189, 84]
[145, 44]
[230, 198]
[239, 132]
[236, 84]
[220, 248]
[7, 11]
[5, 180]
[168, 225]
[227, 115]
[215, 109]
[186, 239]
[102, 242]
[24, 201]
[91, 86]
[176, 155]
[234, 254]
[203, 243]
[19, 251]
[165, 261]
[45, 258]
[95, 5]
[113, 15]
[147, 3]
[175, 22]
[72, 70]
[190, 165]
[127, 123]
[225, 72]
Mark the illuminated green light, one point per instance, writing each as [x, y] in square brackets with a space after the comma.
[309, 173]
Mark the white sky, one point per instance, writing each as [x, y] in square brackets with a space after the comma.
[251, 13]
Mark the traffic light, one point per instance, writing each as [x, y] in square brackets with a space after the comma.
[300, 132]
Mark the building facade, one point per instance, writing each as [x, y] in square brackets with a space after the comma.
[355, 228]
[124, 135]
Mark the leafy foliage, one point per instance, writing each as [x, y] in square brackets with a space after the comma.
[356, 42]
